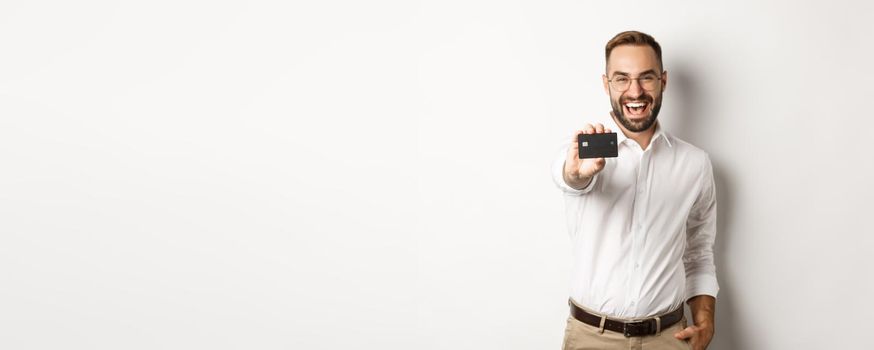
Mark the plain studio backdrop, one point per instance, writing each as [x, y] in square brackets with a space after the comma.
[375, 175]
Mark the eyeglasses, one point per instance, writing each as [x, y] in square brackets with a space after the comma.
[621, 83]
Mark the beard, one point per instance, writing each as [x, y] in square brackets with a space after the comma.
[637, 126]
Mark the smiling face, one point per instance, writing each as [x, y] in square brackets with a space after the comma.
[637, 108]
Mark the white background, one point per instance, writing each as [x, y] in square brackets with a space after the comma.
[375, 175]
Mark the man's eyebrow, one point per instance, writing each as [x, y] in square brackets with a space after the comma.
[649, 71]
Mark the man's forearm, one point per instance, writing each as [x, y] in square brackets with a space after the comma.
[703, 310]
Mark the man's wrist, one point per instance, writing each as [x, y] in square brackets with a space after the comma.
[704, 324]
[577, 183]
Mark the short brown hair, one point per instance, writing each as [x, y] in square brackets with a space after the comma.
[633, 37]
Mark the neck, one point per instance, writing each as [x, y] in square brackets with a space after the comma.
[642, 138]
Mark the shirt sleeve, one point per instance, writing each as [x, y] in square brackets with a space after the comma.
[700, 237]
[558, 175]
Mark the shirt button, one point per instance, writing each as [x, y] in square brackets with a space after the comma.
[637, 266]
[632, 303]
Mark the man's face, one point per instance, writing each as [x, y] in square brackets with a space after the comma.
[637, 107]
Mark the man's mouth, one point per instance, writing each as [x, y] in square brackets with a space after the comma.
[636, 109]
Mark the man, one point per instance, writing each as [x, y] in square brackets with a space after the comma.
[642, 225]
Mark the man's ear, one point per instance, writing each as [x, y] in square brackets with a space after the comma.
[606, 83]
[664, 80]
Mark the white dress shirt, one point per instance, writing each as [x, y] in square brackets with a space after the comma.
[642, 231]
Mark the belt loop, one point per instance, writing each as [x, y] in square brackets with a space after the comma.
[658, 325]
[601, 327]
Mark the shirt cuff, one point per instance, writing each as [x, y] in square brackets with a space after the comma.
[703, 284]
[570, 190]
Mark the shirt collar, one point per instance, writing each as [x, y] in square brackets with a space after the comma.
[661, 133]
[620, 136]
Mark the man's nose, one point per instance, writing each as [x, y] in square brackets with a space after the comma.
[634, 89]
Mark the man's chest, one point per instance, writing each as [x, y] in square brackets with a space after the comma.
[650, 181]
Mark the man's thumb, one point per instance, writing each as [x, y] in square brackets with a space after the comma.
[686, 333]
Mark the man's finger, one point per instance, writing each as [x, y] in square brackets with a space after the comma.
[600, 163]
[686, 333]
[599, 128]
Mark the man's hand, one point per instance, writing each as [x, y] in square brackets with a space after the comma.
[579, 172]
[700, 334]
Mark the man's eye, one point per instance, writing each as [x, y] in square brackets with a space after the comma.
[648, 79]
[621, 80]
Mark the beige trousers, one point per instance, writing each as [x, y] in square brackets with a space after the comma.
[581, 336]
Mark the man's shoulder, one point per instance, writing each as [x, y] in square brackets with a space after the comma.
[690, 152]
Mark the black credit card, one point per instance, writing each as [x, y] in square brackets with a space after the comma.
[598, 145]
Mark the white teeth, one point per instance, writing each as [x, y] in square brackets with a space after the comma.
[635, 105]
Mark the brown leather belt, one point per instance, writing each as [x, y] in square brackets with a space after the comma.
[639, 328]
